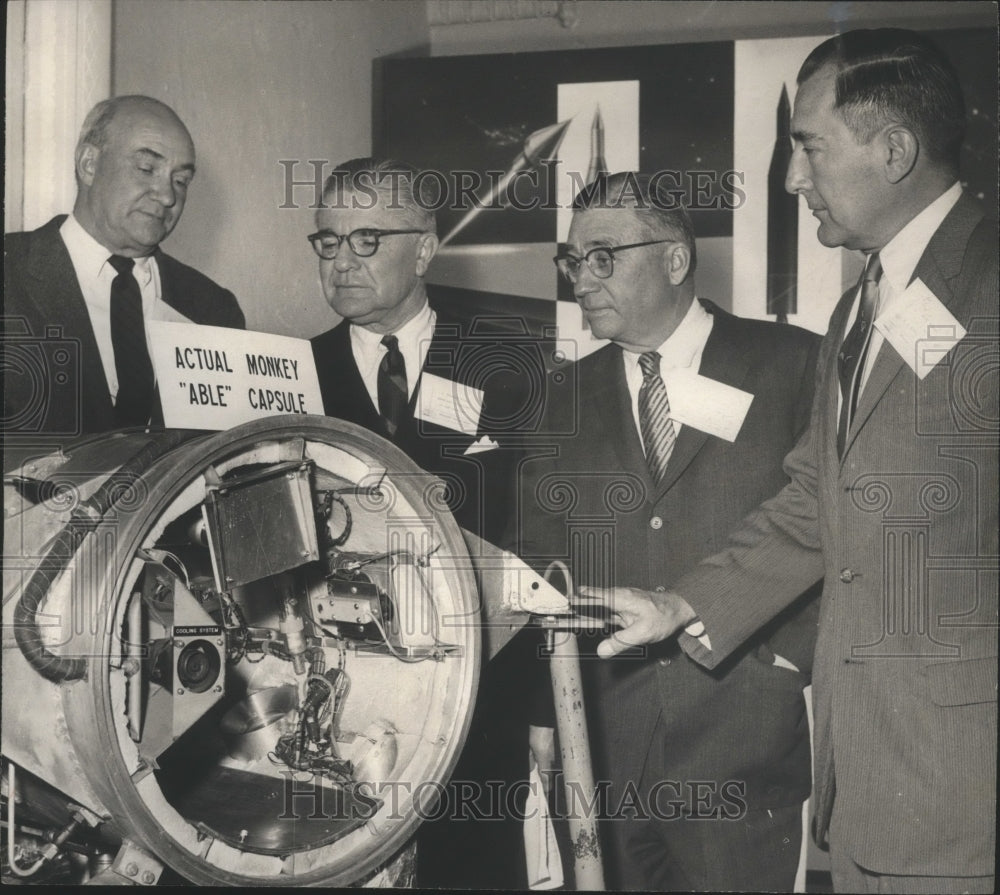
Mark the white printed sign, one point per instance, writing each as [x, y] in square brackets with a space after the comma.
[212, 377]
[449, 404]
[706, 405]
[920, 328]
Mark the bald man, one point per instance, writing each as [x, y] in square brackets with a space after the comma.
[80, 291]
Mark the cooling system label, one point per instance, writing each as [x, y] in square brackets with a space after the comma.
[197, 631]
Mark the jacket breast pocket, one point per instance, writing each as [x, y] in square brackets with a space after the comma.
[965, 682]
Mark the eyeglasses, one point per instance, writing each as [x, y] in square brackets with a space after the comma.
[601, 260]
[364, 243]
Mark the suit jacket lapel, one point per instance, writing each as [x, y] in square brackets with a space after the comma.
[412, 429]
[939, 264]
[185, 302]
[59, 290]
[723, 360]
[443, 360]
[346, 395]
[614, 408]
[829, 385]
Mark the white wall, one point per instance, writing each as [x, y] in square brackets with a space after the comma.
[255, 83]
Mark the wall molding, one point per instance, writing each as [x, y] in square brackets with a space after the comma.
[464, 12]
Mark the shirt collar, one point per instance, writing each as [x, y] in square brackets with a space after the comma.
[685, 343]
[902, 253]
[87, 254]
[413, 329]
[89, 257]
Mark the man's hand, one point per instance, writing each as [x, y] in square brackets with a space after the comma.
[645, 617]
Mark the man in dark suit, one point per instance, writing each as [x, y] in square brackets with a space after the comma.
[714, 765]
[78, 291]
[453, 394]
[893, 493]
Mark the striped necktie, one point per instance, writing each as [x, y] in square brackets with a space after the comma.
[134, 404]
[393, 395]
[656, 426]
[851, 359]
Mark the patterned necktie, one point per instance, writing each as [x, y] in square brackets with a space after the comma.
[851, 359]
[134, 404]
[657, 427]
[393, 396]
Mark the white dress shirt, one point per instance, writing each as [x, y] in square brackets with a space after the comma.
[899, 259]
[682, 350]
[414, 341]
[95, 275]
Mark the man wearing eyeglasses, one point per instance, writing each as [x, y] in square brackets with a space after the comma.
[450, 394]
[416, 375]
[706, 773]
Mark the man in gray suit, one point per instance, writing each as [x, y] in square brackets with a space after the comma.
[893, 494]
[79, 291]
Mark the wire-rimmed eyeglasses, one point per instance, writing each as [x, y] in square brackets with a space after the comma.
[601, 260]
[364, 242]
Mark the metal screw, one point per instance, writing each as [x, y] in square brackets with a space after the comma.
[179, 644]
[148, 877]
[131, 869]
[180, 691]
[218, 643]
[218, 689]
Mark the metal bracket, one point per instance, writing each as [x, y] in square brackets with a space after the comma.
[136, 865]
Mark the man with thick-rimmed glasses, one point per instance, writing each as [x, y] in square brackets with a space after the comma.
[706, 773]
[453, 394]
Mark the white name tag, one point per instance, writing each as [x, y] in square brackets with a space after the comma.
[705, 404]
[212, 377]
[450, 404]
[920, 328]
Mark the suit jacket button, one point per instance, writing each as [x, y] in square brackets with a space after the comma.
[847, 575]
[656, 523]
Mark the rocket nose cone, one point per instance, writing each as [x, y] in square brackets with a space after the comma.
[546, 140]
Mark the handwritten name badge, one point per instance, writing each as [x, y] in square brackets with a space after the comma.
[212, 377]
[705, 404]
[920, 328]
[449, 404]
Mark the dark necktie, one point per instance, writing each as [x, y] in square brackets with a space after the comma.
[393, 396]
[851, 359]
[134, 403]
[655, 424]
